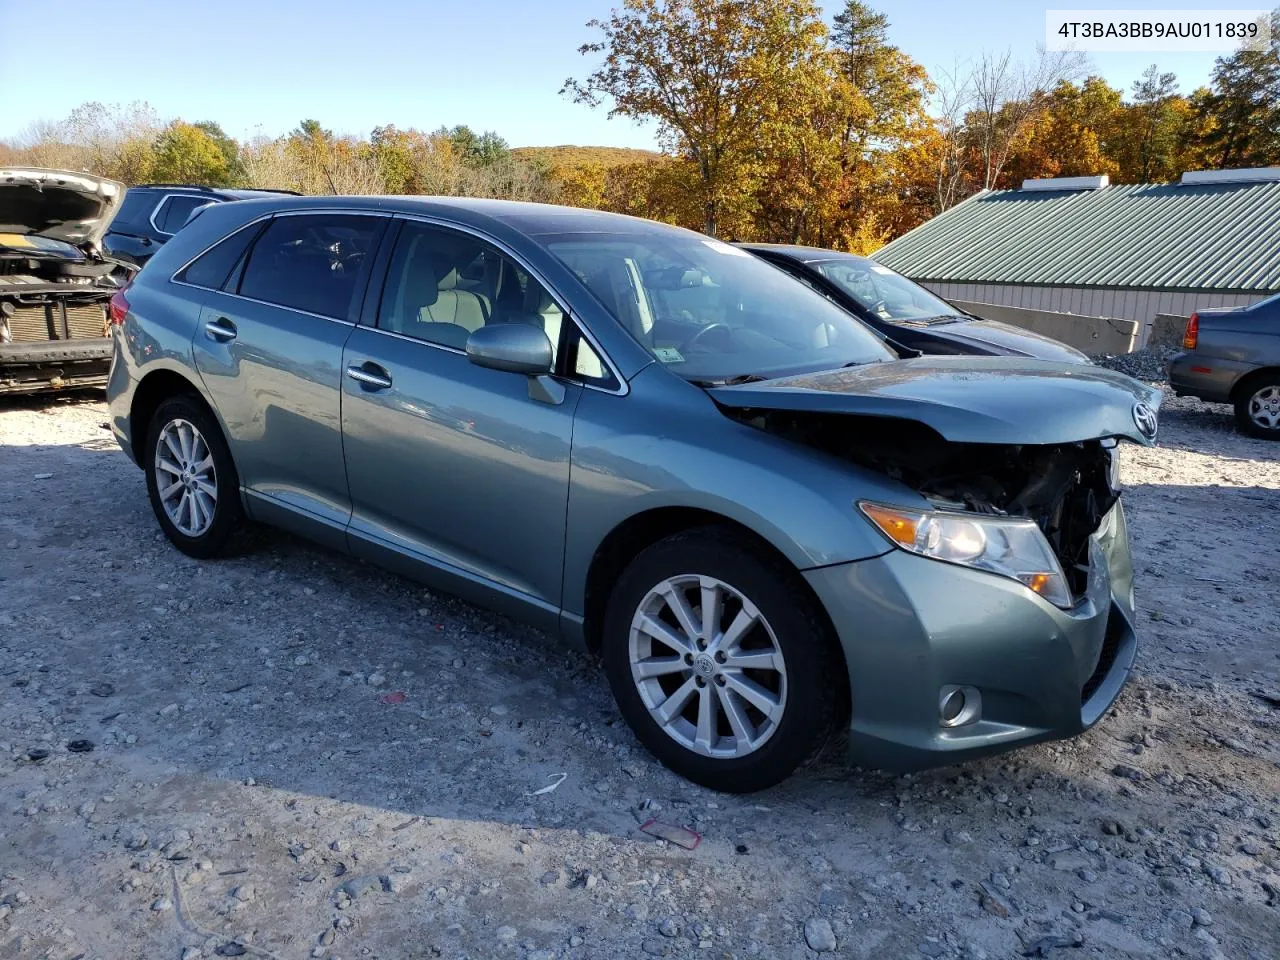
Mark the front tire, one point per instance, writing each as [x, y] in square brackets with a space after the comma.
[1258, 407]
[192, 480]
[721, 662]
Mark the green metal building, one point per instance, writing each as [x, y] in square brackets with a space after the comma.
[1080, 245]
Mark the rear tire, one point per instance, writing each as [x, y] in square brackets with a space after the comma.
[748, 694]
[1258, 406]
[191, 479]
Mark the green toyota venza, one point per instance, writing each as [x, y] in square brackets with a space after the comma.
[656, 447]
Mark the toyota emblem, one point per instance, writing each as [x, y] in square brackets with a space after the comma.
[1145, 418]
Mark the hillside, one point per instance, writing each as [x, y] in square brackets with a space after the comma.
[568, 155]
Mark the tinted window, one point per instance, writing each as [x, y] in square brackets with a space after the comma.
[134, 210]
[442, 285]
[312, 262]
[888, 295]
[174, 211]
[212, 267]
[709, 311]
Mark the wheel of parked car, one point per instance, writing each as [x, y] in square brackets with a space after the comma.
[720, 662]
[191, 478]
[1258, 406]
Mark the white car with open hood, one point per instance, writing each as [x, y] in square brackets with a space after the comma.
[55, 282]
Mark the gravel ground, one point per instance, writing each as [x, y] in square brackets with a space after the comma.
[292, 754]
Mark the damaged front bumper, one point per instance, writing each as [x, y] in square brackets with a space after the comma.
[54, 365]
[915, 629]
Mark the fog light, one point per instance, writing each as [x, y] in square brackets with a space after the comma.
[958, 706]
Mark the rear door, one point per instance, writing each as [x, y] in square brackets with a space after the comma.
[459, 474]
[269, 347]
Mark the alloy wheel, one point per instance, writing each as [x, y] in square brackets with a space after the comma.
[1264, 407]
[708, 666]
[186, 479]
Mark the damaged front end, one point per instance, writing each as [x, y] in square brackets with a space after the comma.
[55, 283]
[1065, 489]
[1002, 615]
[982, 438]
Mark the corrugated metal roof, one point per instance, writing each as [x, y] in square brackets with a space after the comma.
[1165, 236]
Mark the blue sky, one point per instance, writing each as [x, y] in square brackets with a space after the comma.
[492, 64]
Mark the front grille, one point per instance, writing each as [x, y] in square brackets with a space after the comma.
[31, 324]
[1106, 660]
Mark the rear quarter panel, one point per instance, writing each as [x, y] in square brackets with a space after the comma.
[158, 330]
[1247, 337]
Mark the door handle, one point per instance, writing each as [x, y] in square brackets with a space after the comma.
[370, 376]
[222, 330]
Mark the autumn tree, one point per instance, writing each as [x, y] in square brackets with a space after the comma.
[1149, 151]
[1073, 137]
[477, 149]
[884, 96]
[715, 75]
[1008, 97]
[185, 153]
[227, 146]
[1240, 115]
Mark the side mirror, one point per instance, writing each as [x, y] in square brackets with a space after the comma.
[513, 347]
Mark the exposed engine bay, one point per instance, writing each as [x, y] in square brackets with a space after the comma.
[1065, 488]
[55, 282]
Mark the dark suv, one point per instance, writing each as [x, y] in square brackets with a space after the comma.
[154, 212]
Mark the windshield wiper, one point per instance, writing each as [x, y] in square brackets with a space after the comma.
[731, 381]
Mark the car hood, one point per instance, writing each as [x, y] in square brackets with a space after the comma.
[64, 205]
[1006, 339]
[1006, 400]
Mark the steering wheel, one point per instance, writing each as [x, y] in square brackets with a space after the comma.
[711, 329]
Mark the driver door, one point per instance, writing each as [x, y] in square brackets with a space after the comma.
[459, 475]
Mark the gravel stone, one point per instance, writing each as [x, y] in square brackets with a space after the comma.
[819, 935]
[252, 773]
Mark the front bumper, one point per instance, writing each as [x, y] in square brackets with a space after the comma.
[1209, 378]
[54, 365]
[911, 626]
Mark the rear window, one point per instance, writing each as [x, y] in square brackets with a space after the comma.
[212, 267]
[175, 210]
[134, 210]
[311, 262]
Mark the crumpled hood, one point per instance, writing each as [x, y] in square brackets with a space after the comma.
[1007, 338]
[1006, 400]
[63, 205]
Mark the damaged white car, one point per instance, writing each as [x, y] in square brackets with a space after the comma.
[55, 282]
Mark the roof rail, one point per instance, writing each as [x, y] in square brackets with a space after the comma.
[1244, 175]
[1068, 183]
[292, 193]
[183, 186]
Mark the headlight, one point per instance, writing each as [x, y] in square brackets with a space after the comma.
[1010, 547]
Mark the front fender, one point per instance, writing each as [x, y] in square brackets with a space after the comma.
[666, 444]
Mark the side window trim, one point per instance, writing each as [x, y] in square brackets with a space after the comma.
[373, 305]
[155, 213]
[375, 289]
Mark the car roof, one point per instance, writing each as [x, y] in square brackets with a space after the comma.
[530, 218]
[223, 193]
[801, 254]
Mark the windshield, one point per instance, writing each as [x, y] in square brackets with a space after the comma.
[712, 312]
[888, 295]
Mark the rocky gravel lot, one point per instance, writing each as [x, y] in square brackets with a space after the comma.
[292, 754]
